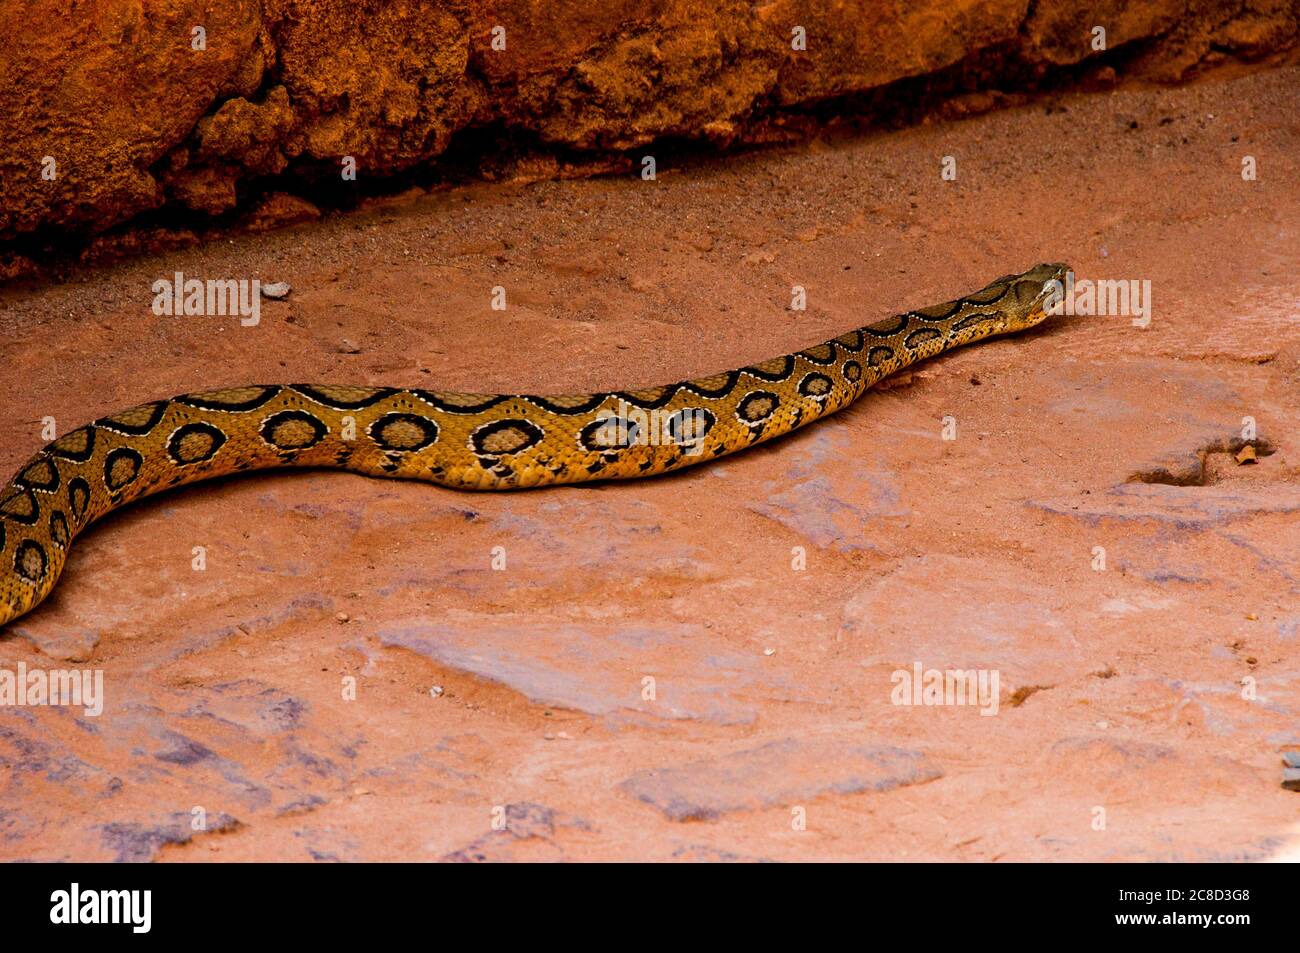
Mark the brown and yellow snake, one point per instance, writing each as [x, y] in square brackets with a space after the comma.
[467, 441]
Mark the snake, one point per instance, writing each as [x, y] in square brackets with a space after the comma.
[467, 441]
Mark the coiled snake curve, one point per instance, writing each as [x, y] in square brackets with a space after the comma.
[467, 441]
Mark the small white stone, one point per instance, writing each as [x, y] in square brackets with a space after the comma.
[769, 651]
[436, 691]
[276, 290]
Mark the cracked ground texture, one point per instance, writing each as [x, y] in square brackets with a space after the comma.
[1121, 688]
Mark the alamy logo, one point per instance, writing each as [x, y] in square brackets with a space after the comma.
[935, 687]
[103, 906]
[215, 296]
[62, 687]
[1105, 296]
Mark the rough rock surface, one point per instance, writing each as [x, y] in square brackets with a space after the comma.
[1122, 684]
[98, 127]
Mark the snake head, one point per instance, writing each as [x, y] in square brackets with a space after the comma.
[1035, 293]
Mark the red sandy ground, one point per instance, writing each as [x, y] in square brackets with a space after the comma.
[1121, 689]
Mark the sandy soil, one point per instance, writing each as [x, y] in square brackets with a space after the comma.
[1121, 689]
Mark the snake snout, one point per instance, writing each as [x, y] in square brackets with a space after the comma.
[1037, 289]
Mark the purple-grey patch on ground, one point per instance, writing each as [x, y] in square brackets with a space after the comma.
[779, 773]
[65, 643]
[1183, 507]
[134, 842]
[248, 705]
[193, 640]
[820, 509]
[597, 671]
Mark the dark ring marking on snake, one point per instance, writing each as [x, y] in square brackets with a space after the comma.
[40, 475]
[879, 355]
[510, 435]
[137, 421]
[937, 312]
[973, 319]
[567, 407]
[59, 529]
[21, 506]
[884, 330]
[922, 336]
[76, 446]
[233, 399]
[292, 430]
[853, 341]
[757, 407]
[816, 386]
[78, 497]
[343, 397]
[703, 386]
[662, 397]
[608, 434]
[194, 443]
[823, 354]
[773, 371]
[696, 420]
[459, 403]
[30, 561]
[403, 433]
[121, 467]
[993, 293]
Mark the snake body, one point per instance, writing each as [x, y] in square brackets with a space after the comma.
[467, 441]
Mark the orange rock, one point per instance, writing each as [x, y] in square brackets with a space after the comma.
[111, 113]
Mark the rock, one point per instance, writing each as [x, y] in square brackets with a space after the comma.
[250, 134]
[276, 290]
[102, 167]
[278, 210]
[136, 842]
[390, 89]
[522, 822]
[209, 189]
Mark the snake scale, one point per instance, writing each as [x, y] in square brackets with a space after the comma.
[467, 441]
